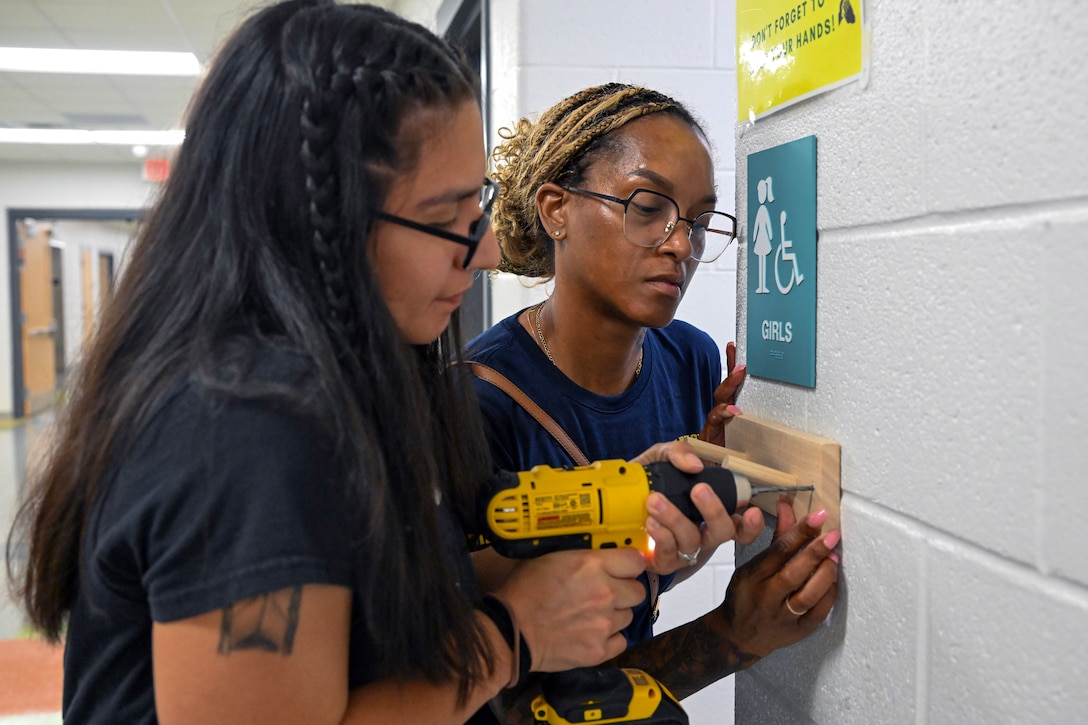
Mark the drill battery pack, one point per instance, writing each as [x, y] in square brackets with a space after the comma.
[609, 695]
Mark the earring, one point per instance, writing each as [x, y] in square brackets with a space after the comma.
[557, 233]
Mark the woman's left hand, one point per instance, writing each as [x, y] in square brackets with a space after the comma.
[676, 537]
[725, 398]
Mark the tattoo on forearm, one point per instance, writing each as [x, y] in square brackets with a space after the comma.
[688, 658]
[267, 622]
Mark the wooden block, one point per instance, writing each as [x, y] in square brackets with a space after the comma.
[805, 459]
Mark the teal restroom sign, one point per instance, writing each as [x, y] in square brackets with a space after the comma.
[782, 263]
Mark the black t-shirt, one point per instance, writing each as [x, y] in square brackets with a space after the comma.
[220, 500]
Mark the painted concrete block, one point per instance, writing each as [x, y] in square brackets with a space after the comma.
[510, 293]
[634, 32]
[1004, 645]
[687, 600]
[712, 705]
[1062, 494]
[709, 94]
[725, 37]
[759, 701]
[1004, 113]
[726, 179]
[710, 304]
[867, 162]
[864, 658]
[542, 86]
[914, 357]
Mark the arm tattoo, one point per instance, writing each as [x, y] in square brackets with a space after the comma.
[688, 658]
[267, 622]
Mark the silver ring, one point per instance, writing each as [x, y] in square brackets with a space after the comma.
[793, 611]
[691, 559]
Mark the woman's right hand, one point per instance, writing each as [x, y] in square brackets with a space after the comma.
[571, 605]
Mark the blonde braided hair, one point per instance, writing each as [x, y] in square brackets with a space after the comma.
[556, 148]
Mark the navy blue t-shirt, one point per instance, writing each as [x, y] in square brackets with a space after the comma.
[220, 500]
[681, 368]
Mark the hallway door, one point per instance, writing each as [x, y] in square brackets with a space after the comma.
[39, 324]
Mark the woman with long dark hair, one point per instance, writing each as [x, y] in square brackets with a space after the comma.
[254, 505]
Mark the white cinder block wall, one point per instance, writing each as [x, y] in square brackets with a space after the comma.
[951, 337]
[544, 50]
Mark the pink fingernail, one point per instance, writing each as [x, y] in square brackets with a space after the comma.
[817, 519]
[832, 539]
[834, 557]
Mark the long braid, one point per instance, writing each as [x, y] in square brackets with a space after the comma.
[359, 130]
[320, 122]
[555, 149]
[377, 85]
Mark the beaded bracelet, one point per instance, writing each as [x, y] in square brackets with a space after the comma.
[498, 613]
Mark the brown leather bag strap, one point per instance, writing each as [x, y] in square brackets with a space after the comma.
[503, 383]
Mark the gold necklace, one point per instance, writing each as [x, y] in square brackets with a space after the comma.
[544, 342]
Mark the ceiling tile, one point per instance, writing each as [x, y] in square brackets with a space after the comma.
[196, 26]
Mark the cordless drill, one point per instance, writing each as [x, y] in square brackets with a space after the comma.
[599, 506]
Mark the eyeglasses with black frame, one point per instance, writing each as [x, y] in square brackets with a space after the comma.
[476, 229]
[649, 218]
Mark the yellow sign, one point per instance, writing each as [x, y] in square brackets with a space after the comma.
[789, 50]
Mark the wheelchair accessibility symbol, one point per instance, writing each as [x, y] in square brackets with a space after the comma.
[784, 259]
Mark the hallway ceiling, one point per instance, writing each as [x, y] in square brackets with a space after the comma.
[47, 100]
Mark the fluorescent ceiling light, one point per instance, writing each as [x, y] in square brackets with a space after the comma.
[75, 136]
[105, 62]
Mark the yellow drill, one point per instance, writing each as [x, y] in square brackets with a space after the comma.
[600, 506]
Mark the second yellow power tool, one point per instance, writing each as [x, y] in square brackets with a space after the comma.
[603, 696]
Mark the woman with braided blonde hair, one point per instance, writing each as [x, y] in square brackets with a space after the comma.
[255, 506]
[610, 195]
